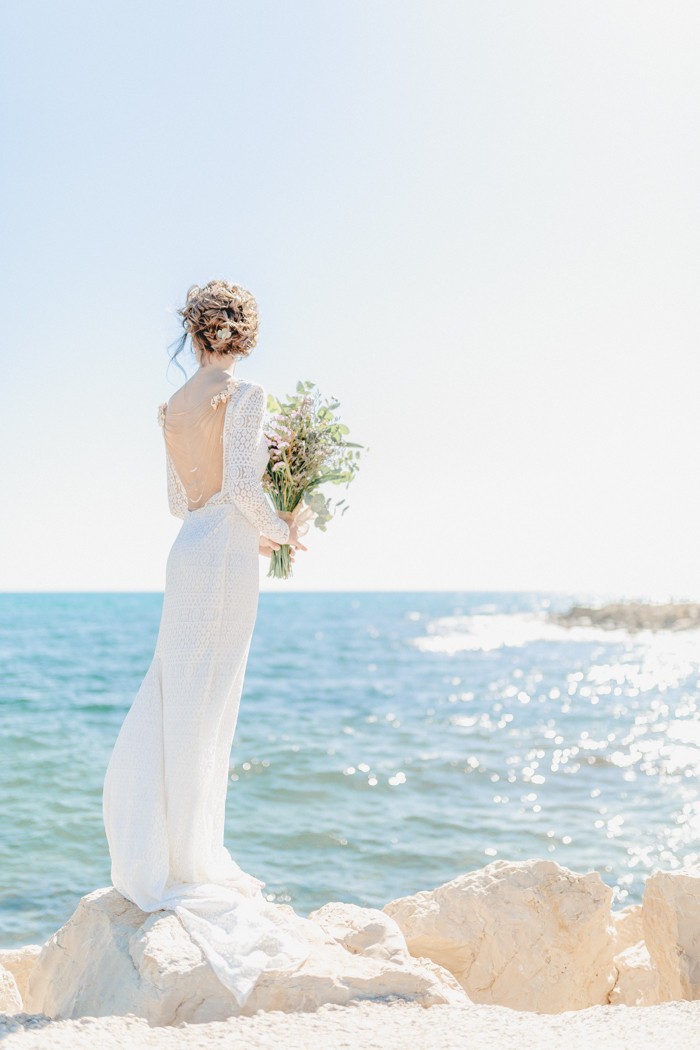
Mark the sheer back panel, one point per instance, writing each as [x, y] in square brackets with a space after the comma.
[194, 440]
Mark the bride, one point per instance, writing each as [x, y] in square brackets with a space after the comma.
[165, 786]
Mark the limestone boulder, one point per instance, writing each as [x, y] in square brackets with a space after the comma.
[671, 919]
[530, 935]
[112, 958]
[629, 928]
[363, 931]
[637, 981]
[10, 999]
[369, 931]
[19, 962]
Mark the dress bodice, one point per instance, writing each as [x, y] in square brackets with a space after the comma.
[217, 452]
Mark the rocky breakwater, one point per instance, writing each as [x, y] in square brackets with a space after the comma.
[537, 936]
[632, 616]
[112, 958]
[531, 935]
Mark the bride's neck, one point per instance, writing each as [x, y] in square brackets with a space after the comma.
[221, 365]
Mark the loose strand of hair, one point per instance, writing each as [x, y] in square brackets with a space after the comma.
[179, 345]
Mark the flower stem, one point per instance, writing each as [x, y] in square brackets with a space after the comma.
[281, 563]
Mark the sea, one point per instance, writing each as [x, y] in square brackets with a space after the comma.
[387, 742]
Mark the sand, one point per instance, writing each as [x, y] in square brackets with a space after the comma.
[397, 1025]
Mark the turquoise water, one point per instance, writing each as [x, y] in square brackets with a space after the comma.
[386, 743]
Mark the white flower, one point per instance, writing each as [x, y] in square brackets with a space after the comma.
[223, 333]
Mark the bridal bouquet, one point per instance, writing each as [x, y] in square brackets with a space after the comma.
[307, 449]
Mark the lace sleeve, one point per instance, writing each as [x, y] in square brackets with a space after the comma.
[177, 497]
[243, 481]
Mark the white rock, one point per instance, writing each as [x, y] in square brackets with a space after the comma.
[112, 958]
[19, 961]
[671, 917]
[446, 978]
[529, 935]
[10, 999]
[365, 931]
[629, 928]
[637, 982]
[369, 931]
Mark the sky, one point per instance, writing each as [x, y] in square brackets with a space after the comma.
[475, 224]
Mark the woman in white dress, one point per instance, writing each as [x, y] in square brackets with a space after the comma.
[165, 787]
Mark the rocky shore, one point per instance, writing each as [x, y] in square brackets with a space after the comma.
[514, 942]
[632, 616]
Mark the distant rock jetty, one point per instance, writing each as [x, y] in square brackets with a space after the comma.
[632, 616]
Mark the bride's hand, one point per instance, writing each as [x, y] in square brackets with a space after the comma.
[267, 546]
[294, 540]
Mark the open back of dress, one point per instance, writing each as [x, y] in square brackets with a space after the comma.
[194, 440]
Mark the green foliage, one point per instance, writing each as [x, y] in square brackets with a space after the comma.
[308, 448]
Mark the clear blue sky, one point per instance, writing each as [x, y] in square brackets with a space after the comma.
[476, 224]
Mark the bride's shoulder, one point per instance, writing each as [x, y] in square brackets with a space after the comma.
[235, 390]
[175, 403]
[249, 388]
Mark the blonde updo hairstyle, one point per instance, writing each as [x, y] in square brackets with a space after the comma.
[220, 318]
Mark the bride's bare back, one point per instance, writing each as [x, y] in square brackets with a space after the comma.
[194, 430]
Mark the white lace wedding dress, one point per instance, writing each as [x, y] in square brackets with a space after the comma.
[165, 787]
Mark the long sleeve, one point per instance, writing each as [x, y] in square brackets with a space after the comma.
[243, 480]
